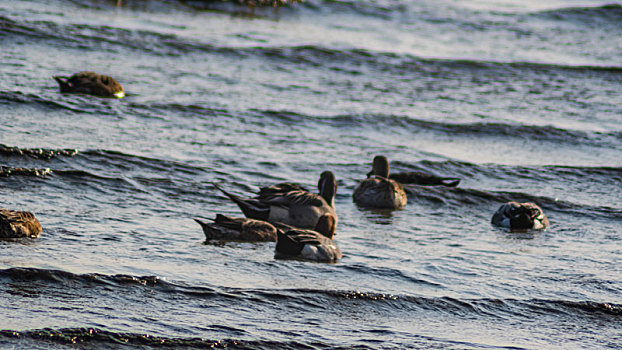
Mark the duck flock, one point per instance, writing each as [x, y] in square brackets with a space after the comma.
[302, 223]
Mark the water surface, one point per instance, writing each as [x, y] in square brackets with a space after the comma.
[520, 99]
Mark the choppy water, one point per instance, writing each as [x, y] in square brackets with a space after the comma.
[520, 99]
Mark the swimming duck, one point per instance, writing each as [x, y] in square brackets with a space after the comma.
[238, 229]
[378, 191]
[90, 83]
[309, 244]
[424, 179]
[18, 224]
[520, 216]
[290, 203]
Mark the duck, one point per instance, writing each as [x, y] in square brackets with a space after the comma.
[289, 203]
[18, 224]
[228, 228]
[90, 83]
[424, 179]
[378, 190]
[520, 216]
[309, 244]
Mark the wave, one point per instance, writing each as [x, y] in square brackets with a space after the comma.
[202, 5]
[37, 153]
[6, 171]
[317, 298]
[106, 38]
[101, 338]
[16, 97]
[545, 172]
[108, 170]
[546, 133]
[384, 9]
[609, 177]
[110, 159]
[60, 276]
[460, 18]
[611, 13]
[78, 103]
[460, 197]
[389, 9]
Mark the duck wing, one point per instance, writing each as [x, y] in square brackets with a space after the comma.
[252, 208]
[307, 245]
[380, 192]
[291, 198]
[238, 229]
[279, 189]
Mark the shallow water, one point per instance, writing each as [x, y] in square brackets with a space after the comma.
[520, 99]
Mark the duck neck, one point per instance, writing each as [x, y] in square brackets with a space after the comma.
[328, 187]
[327, 191]
[381, 167]
[326, 226]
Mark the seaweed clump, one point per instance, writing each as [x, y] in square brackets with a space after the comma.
[37, 153]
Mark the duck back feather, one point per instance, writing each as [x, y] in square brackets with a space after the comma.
[18, 224]
[238, 229]
[90, 83]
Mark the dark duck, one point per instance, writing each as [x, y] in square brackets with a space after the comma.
[520, 216]
[378, 191]
[290, 203]
[309, 244]
[18, 224]
[90, 83]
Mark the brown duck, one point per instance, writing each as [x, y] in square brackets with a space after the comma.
[90, 83]
[18, 224]
[378, 191]
[290, 203]
[520, 216]
[314, 245]
[226, 228]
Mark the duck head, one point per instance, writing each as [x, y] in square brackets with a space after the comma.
[328, 187]
[523, 216]
[380, 167]
[326, 226]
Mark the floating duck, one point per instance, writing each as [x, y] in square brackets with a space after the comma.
[378, 191]
[90, 83]
[18, 224]
[309, 244]
[290, 203]
[520, 216]
[238, 229]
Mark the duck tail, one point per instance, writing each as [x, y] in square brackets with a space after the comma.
[63, 82]
[286, 247]
[450, 181]
[202, 223]
[210, 230]
[251, 208]
[207, 229]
